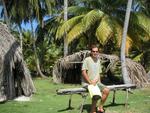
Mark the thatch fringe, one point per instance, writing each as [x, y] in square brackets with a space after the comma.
[63, 66]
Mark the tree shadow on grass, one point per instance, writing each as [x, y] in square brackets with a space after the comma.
[66, 109]
[114, 104]
[87, 107]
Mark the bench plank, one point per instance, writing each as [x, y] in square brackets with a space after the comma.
[69, 91]
[82, 91]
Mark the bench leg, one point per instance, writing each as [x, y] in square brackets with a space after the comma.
[114, 94]
[69, 105]
[127, 96]
[83, 101]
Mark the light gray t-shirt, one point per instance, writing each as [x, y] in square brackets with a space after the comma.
[93, 68]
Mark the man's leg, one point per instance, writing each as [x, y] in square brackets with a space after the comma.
[105, 93]
[93, 106]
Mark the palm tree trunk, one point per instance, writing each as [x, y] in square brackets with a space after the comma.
[65, 19]
[125, 29]
[35, 54]
[6, 14]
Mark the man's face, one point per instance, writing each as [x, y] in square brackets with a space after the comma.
[94, 52]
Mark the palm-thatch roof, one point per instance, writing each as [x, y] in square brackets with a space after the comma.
[15, 78]
[68, 69]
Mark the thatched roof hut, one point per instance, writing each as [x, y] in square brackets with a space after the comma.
[68, 69]
[15, 78]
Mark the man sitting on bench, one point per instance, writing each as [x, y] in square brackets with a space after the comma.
[91, 70]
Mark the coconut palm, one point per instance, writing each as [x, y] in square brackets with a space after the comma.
[26, 11]
[52, 23]
[103, 19]
[125, 29]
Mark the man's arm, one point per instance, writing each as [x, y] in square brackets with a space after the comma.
[85, 76]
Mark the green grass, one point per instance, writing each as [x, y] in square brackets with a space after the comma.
[45, 100]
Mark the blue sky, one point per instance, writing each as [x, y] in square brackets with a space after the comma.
[27, 26]
[0, 12]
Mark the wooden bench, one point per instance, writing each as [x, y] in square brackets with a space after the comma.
[84, 92]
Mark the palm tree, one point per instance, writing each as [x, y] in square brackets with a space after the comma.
[16, 12]
[103, 20]
[23, 11]
[58, 16]
[125, 29]
[35, 53]
[38, 9]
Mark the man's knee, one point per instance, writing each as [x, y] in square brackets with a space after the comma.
[106, 90]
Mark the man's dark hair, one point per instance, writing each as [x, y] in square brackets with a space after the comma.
[93, 46]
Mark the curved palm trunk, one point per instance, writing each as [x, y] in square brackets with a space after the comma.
[65, 19]
[6, 14]
[125, 29]
[35, 54]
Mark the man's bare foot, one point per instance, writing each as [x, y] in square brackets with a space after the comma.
[100, 110]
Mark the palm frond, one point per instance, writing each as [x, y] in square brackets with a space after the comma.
[68, 25]
[104, 30]
[118, 35]
[129, 41]
[138, 57]
[129, 44]
[139, 27]
[144, 22]
[91, 18]
[78, 10]
[75, 32]
[49, 5]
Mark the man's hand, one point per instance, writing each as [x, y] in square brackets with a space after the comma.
[94, 82]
